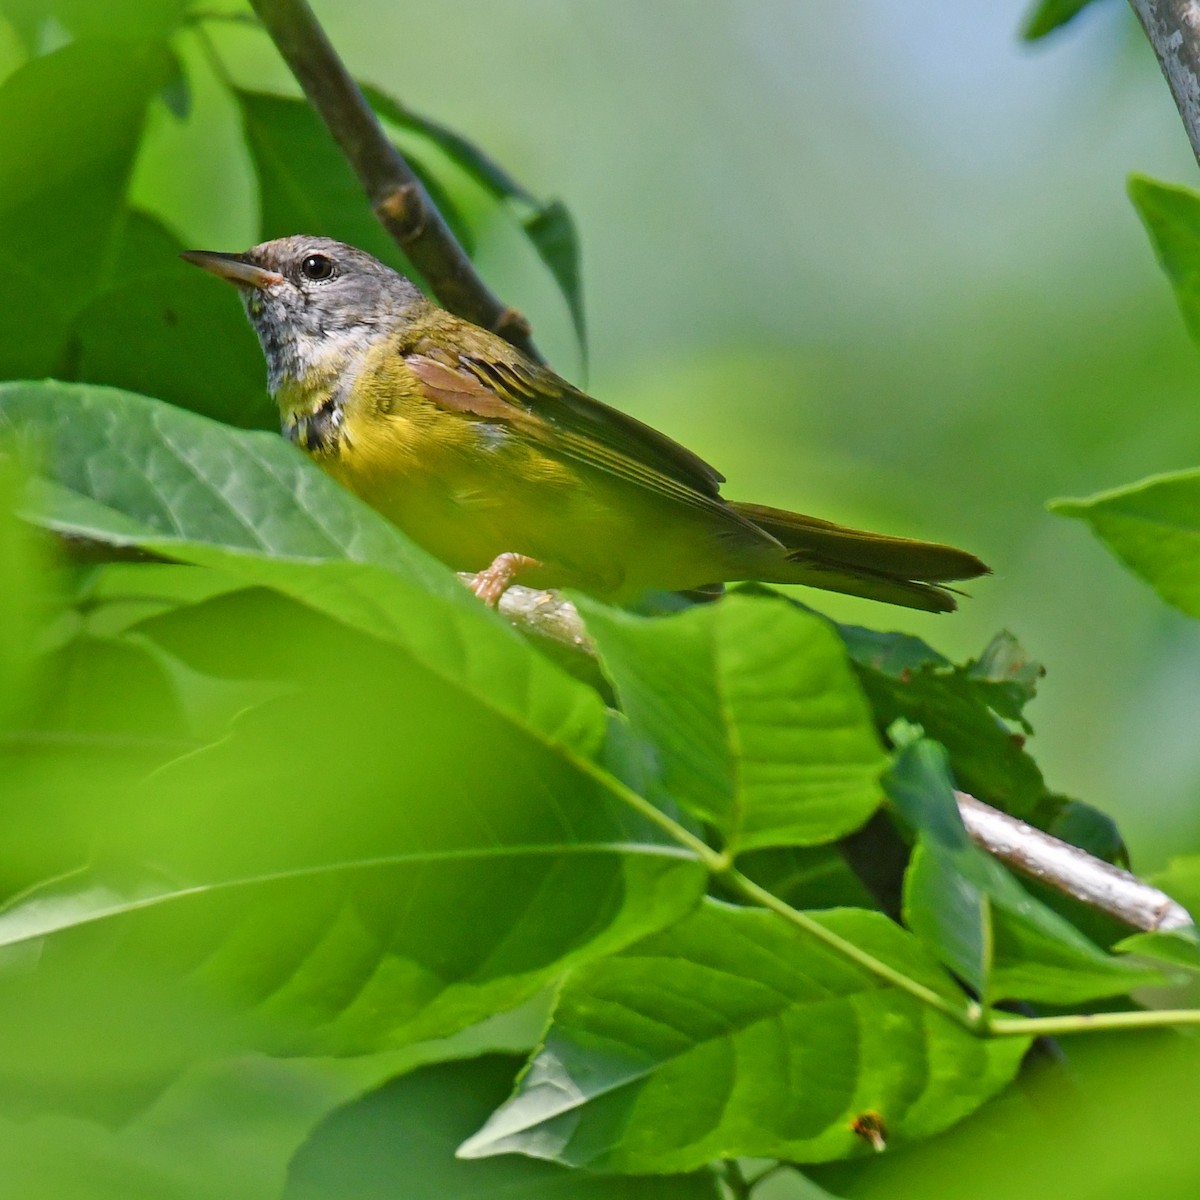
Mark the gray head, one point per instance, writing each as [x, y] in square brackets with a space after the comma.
[314, 303]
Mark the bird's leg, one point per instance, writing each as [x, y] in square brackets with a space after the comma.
[490, 583]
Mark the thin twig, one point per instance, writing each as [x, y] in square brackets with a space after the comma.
[397, 196]
[1024, 848]
[1173, 28]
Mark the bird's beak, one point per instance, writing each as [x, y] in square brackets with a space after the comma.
[232, 267]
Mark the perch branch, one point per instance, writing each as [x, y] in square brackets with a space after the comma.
[398, 197]
[1070, 870]
[1024, 848]
[1173, 29]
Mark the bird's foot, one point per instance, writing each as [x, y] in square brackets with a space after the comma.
[490, 583]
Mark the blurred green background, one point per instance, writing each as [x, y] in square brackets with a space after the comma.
[874, 261]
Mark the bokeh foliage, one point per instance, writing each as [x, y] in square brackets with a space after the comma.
[305, 852]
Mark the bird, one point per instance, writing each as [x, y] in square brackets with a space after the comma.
[504, 470]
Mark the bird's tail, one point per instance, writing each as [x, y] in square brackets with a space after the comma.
[895, 570]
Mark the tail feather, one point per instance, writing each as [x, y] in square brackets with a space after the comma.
[892, 569]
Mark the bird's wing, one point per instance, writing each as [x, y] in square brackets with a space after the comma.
[549, 410]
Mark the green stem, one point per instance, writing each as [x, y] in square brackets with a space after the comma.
[735, 1180]
[751, 891]
[1151, 1018]
[977, 1018]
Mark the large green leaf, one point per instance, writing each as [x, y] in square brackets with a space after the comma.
[976, 918]
[69, 128]
[164, 329]
[365, 859]
[227, 1128]
[1172, 219]
[1153, 527]
[730, 1034]
[126, 469]
[752, 715]
[401, 1141]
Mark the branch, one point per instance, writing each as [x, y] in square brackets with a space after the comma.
[1070, 870]
[1173, 28]
[397, 196]
[1024, 848]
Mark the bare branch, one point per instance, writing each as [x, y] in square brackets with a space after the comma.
[397, 196]
[1024, 848]
[1173, 27]
[1070, 870]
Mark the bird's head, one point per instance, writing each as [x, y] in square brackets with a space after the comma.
[316, 304]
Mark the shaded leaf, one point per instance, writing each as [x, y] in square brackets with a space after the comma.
[976, 918]
[165, 330]
[401, 1140]
[959, 707]
[552, 231]
[227, 1128]
[70, 122]
[548, 224]
[731, 1034]
[752, 715]
[305, 185]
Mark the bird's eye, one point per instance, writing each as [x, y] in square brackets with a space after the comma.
[317, 267]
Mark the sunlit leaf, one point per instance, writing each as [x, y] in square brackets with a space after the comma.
[752, 715]
[1172, 218]
[731, 1034]
[1153, 527]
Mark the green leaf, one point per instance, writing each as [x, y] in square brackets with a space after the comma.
[962, 707]
[1153, 527]
[976, 918]
[437, 782]
[128, 470]
[226, 1128]
[166, 330]
[132, 20]
[401, 1140]
[1172, 219]
[752, 715]
[1179, 947]
[305, 184]
[552, 231]
[20, 588]
[1048, 15]
[70, 123]
[732, 1035]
